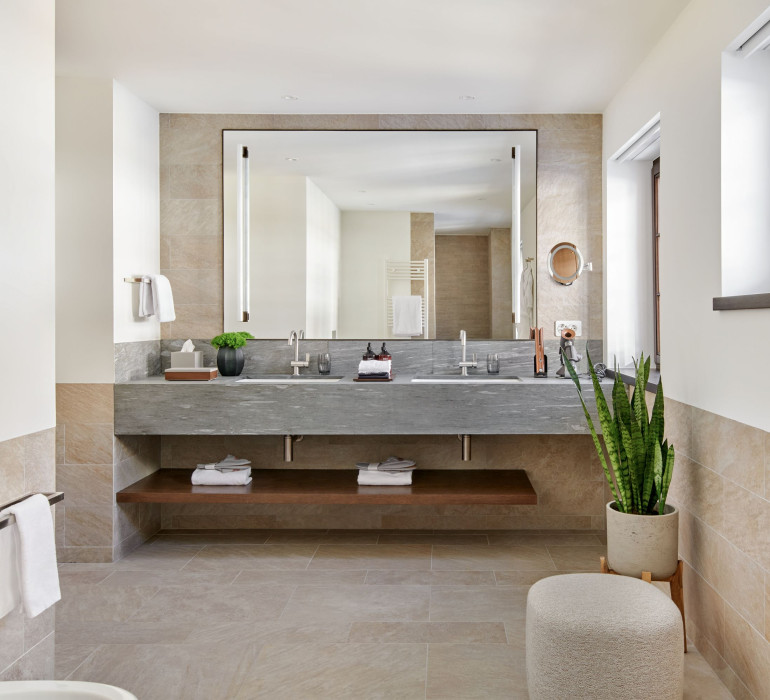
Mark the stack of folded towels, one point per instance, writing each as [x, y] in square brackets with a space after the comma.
[394, 471]
[374, 369]
[231, 471]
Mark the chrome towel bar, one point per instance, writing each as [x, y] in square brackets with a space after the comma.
[7, 520]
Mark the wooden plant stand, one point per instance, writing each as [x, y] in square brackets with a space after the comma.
[674, 581]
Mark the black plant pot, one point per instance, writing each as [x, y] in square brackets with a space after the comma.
[230, 361]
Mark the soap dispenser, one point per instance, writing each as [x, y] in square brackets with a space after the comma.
[384, 354]
[369, 354]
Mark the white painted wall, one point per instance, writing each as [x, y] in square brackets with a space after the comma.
[368, 239]
[629, 310]
[278, 255]
[84, 198]
[323, 263]
[681, 79]
[135, 210]
[27, 350]
[745, 173]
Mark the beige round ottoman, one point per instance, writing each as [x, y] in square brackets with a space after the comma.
[599, 636]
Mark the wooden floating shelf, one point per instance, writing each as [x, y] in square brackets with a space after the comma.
[338, 486]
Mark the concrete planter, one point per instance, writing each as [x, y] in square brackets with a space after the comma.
[637, 543]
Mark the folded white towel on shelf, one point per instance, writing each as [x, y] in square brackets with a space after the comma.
[39, 576]
[146, 304]
[367, 478]
[374, 367]
[162, 298]
[10, 593]
[214, 477]
[407, 315]
[391, 464]
[229, 462]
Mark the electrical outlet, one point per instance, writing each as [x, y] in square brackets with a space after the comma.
[559, 326]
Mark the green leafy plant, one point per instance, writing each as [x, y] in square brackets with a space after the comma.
[231, 340]
[642, 461]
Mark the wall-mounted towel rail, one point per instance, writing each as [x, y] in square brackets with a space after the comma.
[7, 520]
[136, 280]
[412, 271]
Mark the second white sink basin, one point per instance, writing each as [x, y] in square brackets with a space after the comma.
[288, 379]
[469, 379]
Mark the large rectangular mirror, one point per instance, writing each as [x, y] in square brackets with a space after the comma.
[380, 234]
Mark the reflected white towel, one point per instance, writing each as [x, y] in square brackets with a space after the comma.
[367, 478]
[374, 366]
[391, 464]
[407, 315]
[10, 594]
[213, 477]
[146, 305]
[162, 298]
[39, 576]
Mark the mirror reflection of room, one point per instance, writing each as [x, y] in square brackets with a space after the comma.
[380, 234]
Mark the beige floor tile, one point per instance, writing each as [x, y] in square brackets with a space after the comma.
[145, 577]
[301, 577]
[468, 671]
[253, 556]
[401, 577]
[97, 603]
[371, 671]
[572, 558]
[158, 556]
[700, 681]
[316, 537]
[168, 671]
[238, 634]
[70, 656]
[324, 603]
[428, 632]
[213, 538]
[478, 604]
[490, 557]
[125, 632]
[204, 604]
[532, 539]
[524, 578]
[434, 538]
[71, 578]
[385, 556]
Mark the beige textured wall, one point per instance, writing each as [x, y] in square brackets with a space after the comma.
[27, 464]
[91, 465]
[423, 246]
[462, 286]
[570, 491]
[569, 203]
[722, 486]
[500, 284]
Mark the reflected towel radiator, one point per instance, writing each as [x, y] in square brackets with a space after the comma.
[412, 271]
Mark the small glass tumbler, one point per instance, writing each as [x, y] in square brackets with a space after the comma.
[324, 363]
[493, 363]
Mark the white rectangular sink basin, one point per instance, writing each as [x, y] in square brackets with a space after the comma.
[469, 379]
[289, 379]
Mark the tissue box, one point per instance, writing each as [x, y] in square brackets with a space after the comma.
[186, 359]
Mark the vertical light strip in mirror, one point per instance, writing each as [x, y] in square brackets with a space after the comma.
[243, 232]
[516, 256]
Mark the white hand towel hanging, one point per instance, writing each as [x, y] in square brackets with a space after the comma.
[10, 594]
[39, 577]
[146, 305]
[162, 298]
[407, 315]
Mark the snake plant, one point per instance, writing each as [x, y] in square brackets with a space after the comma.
[641, 460]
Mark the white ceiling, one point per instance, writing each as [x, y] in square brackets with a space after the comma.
[464, 178]
[362, 56]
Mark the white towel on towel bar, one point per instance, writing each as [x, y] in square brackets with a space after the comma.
[214, 477]
[10, 595]
[162, 298]
[146, 305]
[407, 315]
[39, 577]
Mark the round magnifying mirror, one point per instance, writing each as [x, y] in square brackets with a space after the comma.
[565, 263]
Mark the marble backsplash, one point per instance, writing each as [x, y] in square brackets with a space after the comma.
[409, 356]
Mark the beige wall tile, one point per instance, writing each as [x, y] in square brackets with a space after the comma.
[194, 321]
[741, 582]
[192, 253]
[40, 461]
[730, 448]
[747, 523]
[88, 526]
[190, 217]
[747, 652]
[197, 286]
[188, 144]
[85, 485]
[84, 555]
[431, 121]
[195, 181]
[11, 638]
[679, 427]
[11, 469]
[88, 443]
[323, 121]
[705, 609]
[84, 403]
[700, 490]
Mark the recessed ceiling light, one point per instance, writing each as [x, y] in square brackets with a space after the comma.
[496, 160]
[291, 98]
[467, 97]
[291, 159]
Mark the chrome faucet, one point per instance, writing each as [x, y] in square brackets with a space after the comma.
[296, 363]
[464, 364]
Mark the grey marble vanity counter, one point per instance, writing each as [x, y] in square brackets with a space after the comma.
[222, 406]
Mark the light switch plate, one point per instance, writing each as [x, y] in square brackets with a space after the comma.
[559, 326]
